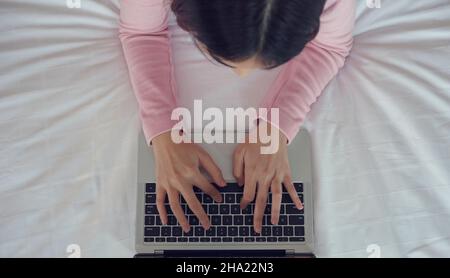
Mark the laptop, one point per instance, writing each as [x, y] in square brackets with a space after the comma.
[231, 233]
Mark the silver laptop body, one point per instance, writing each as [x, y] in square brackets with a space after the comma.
[301, 166]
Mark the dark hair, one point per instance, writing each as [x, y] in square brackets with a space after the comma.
[275, 31]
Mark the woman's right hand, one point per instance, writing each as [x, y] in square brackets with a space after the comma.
[177, 172]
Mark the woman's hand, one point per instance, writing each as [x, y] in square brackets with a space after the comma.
[177, 171]
[264, 171]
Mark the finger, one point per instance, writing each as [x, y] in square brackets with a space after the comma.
[211, 167]
[196, 207]
[202, 183]
[238, 165]
[276, 190]
[174, 201]
[160, 200]
[260, 206]
[249, 189]
[292, 192]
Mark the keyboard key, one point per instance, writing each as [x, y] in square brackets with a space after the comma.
[221, 231]
[288, 231]
[291, 209]
[238, 239]
[268, 209]
[247, 210]
[216, 239]
[227, 239]
[213, 209]
[190, 233]
[266, 220]
[216, 220]
[177, 231]
[189, 211]
[261, 239]
[282, 239]
[238, 220]
[193, 239]
[244, 231]
[150, 220]
[211, 232]
[235, 209]
[207, 199]
[171, 239]
[149, 239]
[277, 231]
[286, 198]
[239, 197]
[199, 231]
[227, 220]
[182, 239]
[193, 220]
[253, 233]
[296, 220]
[171, 220]
[249, 220]
[166, 231]
[151, 209]
[150, 198]
[271, 239]
[296, 239]
[266, 231]
[283, 220]
[249, 239]
[298, 187]
[152, 231]
[150, 188]
[232, 231]
[230, 198]
[158, 221]
[205, 239]
[299, 231]
[224, 209]
[160, 239]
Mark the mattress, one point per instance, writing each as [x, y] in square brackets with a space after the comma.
[69, 132]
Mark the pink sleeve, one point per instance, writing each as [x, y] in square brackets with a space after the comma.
[303, 79]
[145, 41]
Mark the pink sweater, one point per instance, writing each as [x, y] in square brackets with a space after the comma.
[145, 38]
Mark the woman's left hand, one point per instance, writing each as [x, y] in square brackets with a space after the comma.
[261, 172]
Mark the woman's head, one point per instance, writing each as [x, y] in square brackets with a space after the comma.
[249, 34]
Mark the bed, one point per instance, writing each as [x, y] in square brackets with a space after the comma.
[69, 133]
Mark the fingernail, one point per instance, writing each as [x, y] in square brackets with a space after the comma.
[224, 183]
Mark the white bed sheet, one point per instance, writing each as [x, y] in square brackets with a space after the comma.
[69, 128]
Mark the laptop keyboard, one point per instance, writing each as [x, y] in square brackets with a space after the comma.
[228, 222]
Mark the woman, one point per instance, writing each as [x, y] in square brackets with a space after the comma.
[310, 39]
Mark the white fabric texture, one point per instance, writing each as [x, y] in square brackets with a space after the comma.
[69, 129]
